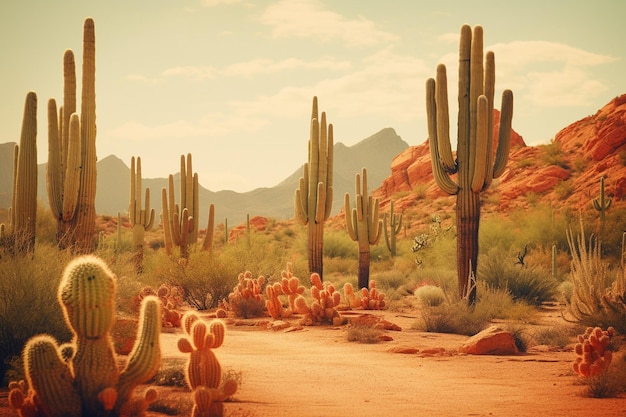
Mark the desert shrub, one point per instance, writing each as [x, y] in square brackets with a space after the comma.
[597, 298]
[520, 336]
[497, 303]
[558, 336]
[430, 295]
[566, 289]
[533, 284]
[340, 266]
[171, 373]
[609, 384]
[338, 244]
[363, 334]
[552, 154]
[456, 318]
[205, 279]
[28, 299]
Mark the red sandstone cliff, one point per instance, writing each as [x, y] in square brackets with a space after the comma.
[564, 173]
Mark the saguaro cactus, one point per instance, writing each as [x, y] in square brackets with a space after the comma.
[313, 199]
[363, 225]
[474, 161]
[89, 383]
[180, 222]
[142, 219]
[71, 171]
[395, 224]
[602, 204]
[25, 180]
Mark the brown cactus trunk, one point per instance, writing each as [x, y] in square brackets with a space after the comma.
[316, 247]
[467, 222]
[364, 268]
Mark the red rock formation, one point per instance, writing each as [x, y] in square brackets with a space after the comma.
[564, 173]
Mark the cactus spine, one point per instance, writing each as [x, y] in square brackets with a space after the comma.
[474, 162]
[395, 224]
[313, 199]
[142, 219]
[602, 204]
[25, 180]
[71, 171]
[89, 383]
[363, 225]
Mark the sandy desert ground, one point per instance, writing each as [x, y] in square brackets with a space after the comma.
[316, 372]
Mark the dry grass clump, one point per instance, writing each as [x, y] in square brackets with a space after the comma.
[363, 334]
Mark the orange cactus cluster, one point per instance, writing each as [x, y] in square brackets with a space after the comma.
[593, 351]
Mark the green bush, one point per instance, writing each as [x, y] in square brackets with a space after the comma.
[430, 295]
[532, 284]
[28, 299]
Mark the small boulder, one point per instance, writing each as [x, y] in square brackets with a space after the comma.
[491, 341]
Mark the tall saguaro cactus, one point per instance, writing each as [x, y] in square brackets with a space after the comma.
[24, 207]
[395, 224]
[313, 200]
[474, 161]
[364, 225]
[71, 171]
[180, 221]
[141, 218]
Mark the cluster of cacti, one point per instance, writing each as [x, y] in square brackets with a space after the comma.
[474, 163]
[391, 228]
[288, 285]
[246, 300]
[363, 225]
[602, 203]
[323, 309]
[171, 298]
[71, 169]
[141, 217]
[82, 377]
[371, 298]
[24, 205]
[593, 352]
[180, 221]
[350, 297]
[313, 199]
[203, 371]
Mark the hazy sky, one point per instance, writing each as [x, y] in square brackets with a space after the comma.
[231, 81]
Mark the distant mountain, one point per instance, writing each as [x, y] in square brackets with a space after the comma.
[112, 189]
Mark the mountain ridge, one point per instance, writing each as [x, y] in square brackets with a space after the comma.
[113, 176]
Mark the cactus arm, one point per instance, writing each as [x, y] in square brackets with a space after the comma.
[489, 92]
[504, 134]
[482, 158]
[165, 222]
[207, 244]
[441, 176]
[50, 378]
[443, 121]
[329, 172]
[351, 218]
[71, 183]
[54, 181]
[145, 359]
[321, 203]
[69, 97]
[375, 226]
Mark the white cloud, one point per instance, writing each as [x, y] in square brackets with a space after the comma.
[549, 74]
[190, 71]
[309, 19]
[270, 66]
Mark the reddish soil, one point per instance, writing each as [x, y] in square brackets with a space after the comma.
[317, 372]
